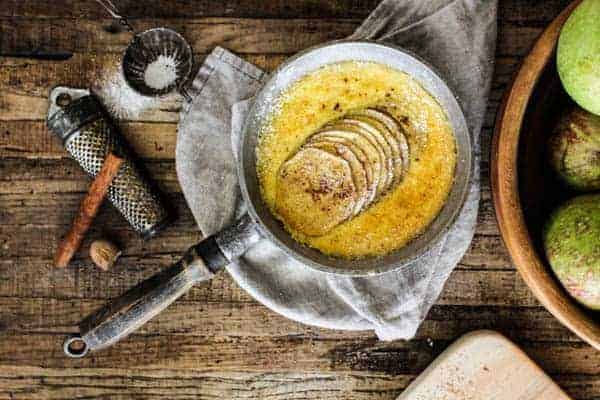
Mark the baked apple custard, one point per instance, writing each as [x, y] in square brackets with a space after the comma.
[356, 160]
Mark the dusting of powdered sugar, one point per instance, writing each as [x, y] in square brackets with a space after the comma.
[161, 73]
[119, 98]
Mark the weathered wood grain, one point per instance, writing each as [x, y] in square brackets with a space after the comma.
[217, 342]
[243, 317]
[265, 354]
[32, 383]
[26, 84]
[35, 277]
[47, 39]
[195, 9]
[119, 384]
[523, 11]
[32, 139]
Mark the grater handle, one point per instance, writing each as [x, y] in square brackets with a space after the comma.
[140, 304]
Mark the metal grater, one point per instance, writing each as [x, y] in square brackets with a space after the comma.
[88, 134]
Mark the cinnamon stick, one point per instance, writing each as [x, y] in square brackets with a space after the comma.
[87, 210]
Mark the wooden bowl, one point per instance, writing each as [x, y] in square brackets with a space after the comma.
[524, 189]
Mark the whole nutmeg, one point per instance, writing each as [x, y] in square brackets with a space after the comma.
[104, 254]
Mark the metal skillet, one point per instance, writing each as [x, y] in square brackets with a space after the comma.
[127, 313]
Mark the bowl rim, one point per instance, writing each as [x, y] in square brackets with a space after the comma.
[405, 256]
[506, 194]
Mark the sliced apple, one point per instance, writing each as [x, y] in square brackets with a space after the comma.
[373, 156]
[315, 191]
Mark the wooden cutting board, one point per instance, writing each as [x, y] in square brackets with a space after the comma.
[483, 365]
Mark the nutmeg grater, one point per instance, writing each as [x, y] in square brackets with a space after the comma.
[78, 118]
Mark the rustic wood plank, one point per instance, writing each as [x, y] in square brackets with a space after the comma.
[26, 209]
[28, 99]
[515, 39]
[37, 176]
[522, 11]
[195, 9]
[32, 139]
[247, 318]
[27, 83]
[286, 353]
[235, 353]
[47, 38]
[172, 350]
[33, 383]
[528, 12]
[25, 276]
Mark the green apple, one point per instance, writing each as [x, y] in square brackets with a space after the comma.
[578, 55]
[574, 150]
[572, 245]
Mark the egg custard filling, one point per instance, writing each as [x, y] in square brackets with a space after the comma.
[356, 159]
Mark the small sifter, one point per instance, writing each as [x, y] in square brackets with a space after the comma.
[157, 61]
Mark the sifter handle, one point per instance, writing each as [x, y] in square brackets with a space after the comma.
[114, 12]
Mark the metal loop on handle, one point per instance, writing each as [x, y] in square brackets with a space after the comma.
[75, 347]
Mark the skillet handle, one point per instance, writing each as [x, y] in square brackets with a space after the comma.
[138, 305]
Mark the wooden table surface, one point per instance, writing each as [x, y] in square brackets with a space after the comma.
[216, 342]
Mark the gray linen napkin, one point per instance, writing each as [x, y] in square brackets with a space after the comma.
[458, 38]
